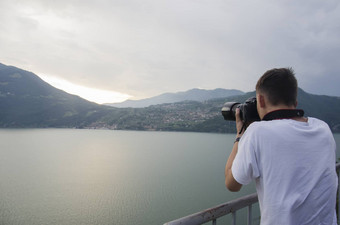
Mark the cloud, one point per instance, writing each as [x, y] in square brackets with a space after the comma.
[150, 47]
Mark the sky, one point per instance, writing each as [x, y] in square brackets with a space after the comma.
[134, 49]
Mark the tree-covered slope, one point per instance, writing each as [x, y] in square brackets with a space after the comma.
[28, 101]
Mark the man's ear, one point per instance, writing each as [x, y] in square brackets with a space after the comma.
[296, 103]
[262, 101]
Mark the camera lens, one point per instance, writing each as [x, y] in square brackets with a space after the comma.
[229, 110]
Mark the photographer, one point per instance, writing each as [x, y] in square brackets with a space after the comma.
[290, 157]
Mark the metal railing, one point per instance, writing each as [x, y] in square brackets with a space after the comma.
[231, 207]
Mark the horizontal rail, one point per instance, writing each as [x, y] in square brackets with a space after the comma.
[216, 212]
[229, 207]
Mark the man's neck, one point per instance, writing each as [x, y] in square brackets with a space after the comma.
[271, 108]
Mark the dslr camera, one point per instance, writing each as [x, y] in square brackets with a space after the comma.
[248, 111]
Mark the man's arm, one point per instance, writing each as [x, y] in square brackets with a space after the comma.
[230, 181]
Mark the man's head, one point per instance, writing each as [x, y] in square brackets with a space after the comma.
[277, 88]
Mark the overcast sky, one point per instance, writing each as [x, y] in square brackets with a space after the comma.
[143, 48]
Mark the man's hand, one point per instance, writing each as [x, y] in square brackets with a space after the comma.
[239, 124]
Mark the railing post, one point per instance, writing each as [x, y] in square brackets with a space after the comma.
[338, 193]
[249, 214]
[338, 199]
[233, 217]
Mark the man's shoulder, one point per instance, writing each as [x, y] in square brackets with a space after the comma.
[265, 127]
[317, 122]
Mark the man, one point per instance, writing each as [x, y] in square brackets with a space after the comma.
[290, 157]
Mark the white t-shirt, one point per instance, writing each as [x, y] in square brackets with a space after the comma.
[293, 164]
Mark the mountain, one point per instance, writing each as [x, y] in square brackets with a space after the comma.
[326, 108]
[191, 95]
[28, 101]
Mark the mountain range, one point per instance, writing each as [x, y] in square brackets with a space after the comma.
[196, 94]
[26, 101]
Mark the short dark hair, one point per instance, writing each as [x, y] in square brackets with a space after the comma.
[279, 85]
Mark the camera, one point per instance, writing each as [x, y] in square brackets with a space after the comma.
[248, 111]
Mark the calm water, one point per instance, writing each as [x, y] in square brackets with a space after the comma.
[64, 176]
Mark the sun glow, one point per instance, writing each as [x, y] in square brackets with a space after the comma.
[91, 94]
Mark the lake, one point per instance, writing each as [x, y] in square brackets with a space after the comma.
[69, 176]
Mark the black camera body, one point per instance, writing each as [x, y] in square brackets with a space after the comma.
[248, 111]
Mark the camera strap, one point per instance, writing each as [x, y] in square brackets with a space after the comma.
[283, 114]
